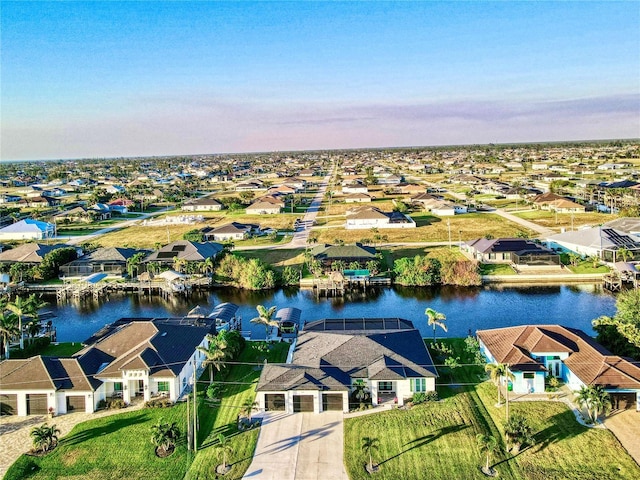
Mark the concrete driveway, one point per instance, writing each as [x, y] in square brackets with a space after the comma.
[299, 446]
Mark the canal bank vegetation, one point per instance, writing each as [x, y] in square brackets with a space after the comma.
[438, 267]
[118, 446]
[439, 437]
[621, 333]
[252, 273]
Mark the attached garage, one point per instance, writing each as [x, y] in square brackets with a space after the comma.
[302, 403]
[274, 402]
[37, 404]
[76, 403]
[623, 401]
[332, 401]
[9, 404]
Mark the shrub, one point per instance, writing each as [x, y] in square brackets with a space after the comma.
[518, 433]
[112, 404]
[158, 403]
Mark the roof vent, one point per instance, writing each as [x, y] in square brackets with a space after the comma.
[163, 334]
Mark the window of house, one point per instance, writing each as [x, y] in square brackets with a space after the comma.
[418, 384]
[163, 386]
[529, 375]
[117, 386]
[492, 256]
[385, 386]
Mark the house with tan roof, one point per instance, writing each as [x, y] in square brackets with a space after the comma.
[534, 352]
[132, 359]
[372, 217]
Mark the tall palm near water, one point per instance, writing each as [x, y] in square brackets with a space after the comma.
[435, 319]
[8, 329]
[216, 353]
[20, 307]
[498, 371]
[265, 317]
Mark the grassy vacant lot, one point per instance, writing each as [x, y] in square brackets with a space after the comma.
[587, 267]
[147, 236]
[549, 220]
[432, 229]
[437, 440]
[117, 447]
[277, 258]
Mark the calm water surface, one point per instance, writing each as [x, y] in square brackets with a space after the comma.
[466, 308]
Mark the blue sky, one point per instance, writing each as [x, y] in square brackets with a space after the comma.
[105, 79]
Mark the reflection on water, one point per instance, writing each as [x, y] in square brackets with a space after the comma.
[466, 308]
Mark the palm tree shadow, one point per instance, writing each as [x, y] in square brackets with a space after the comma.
[562, 426]
[425, 440]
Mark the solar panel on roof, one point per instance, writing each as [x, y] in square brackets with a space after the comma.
[617, 239]
[178, 248]
[165, 255]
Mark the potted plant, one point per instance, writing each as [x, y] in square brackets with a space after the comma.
[51, 412]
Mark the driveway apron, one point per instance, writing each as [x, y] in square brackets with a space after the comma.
[300, 446]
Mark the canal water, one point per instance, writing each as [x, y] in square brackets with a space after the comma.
[467, 309]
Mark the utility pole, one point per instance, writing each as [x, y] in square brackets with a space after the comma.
[188, 425]
[506, 391]
[195, 409]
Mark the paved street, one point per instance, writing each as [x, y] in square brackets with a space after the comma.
[299, 446]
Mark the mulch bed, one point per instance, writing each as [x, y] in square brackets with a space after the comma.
[162, 453]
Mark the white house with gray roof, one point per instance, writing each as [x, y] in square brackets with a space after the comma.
[331, 356]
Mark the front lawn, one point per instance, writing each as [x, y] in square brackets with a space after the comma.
[585, 267]
[439, 437]
[62, 349]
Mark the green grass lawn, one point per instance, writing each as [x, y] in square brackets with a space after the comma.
[496, 269]
[62, 349]
[437, 440]
[118, 447]
[587, 267]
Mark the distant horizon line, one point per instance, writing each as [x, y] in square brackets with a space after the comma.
[257, 152]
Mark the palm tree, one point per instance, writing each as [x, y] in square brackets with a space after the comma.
[518, 432]
[45, 436]
[34, 304]
[623, 253]
[208, 265]
[133, 263]
[248, 407]
[595, 400]
[265, 317]
[489, 444]
[216, 353]
[8, 329]
[368, 445]
[164, 435]
[19, 307]
[498, 371]
[436, 319]
[223, 448]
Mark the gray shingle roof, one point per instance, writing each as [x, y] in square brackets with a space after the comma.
[329, 360]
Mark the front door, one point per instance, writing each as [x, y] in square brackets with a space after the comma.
[555, 368]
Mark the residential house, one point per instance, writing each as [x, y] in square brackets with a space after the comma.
[28, 229]
[600, 241]
[327, 254]
[357, 198]
[354, 187]
[185, 251]
[28, 253]
[205, 204]
[533, 352]
[230, 231]
[265, 206]
[332, 356]
[132, 359]
[557, 203]
[372, 217]
[109, 260]
[518, 251]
